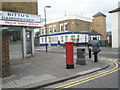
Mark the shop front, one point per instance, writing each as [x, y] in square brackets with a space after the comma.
[20, 30]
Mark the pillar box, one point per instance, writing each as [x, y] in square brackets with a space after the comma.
[69, 55]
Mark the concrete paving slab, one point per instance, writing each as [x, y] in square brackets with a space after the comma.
[5, 86]
[21, 82]
[44, 77]
[28, 77]
[12, 84]
[28, 80]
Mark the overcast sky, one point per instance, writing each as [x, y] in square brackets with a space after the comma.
[87, 8]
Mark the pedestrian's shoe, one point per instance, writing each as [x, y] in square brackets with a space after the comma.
[96, 61]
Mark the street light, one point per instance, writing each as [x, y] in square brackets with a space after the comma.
[45, 25]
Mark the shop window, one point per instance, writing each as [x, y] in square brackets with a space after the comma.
[73, 37]
[45, 39]
[62, 39]
[15, 42]
[49, 39]
[85, 38]
[42, 40]
[90, 38]
[78, 38]
[66, 38]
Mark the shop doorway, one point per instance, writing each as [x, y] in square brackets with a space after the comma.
[29, 42]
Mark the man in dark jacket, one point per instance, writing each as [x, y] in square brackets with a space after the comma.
[95, 48]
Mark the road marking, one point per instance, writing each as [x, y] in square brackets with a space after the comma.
[92, 77]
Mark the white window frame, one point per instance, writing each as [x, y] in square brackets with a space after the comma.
[73, 37]
[54, 28]
[42, 40]
[50, 29]
[62, 39]
[42, 30]
[65, 26]
[78, 38]
[62, 25]
[66, 38]
[45, 30]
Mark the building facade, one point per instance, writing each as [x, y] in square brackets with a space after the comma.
[18, 20]
[77, 24]
[115, 20]
[99, 24]
[79, 38]
[63, 28]
[67, 23]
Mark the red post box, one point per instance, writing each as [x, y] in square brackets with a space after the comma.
[69, 55]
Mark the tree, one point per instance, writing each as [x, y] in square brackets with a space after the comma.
[36, 35]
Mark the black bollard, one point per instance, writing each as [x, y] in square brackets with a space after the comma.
[95, 57]
[89, 53]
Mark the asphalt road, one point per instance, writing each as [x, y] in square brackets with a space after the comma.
[109, 80]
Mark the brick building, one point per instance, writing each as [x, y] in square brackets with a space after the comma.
[99, 24]
[17, 31]
[70, 23]
[96, 26]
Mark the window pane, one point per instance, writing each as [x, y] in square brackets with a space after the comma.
[15, 42]
[66, 38]
[61, 27]
[54, 28]
[66, 27]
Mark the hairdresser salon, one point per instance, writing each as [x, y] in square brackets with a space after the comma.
[20, 30]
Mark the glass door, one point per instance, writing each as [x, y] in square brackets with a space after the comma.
[29, 42]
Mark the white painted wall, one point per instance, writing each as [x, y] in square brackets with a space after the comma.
[114, 20]
[119, 28]
[81, 38]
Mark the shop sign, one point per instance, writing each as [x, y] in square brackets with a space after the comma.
[19, 16]
[16, 23]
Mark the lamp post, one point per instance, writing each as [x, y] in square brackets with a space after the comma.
[45, 25]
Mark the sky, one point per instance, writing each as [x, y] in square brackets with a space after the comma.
[86, 8]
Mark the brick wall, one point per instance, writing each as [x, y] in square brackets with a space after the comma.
[5, 54]
[22, 7]
[99, 25]
[74, 25]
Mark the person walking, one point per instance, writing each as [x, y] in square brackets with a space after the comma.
[58, 43]
[95, 48]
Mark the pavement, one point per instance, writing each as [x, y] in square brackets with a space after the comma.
[44, 69]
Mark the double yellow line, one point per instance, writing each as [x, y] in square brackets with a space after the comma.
[116, 68]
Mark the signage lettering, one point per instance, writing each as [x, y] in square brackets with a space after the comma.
[20, 23]
[19, 16]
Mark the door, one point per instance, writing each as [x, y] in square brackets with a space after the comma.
[29, 42]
